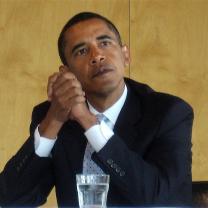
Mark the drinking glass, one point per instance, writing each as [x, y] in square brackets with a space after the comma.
[92, 190]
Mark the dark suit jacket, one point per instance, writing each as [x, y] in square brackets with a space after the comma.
[148, 158]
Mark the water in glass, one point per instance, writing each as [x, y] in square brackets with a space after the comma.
[92, 195]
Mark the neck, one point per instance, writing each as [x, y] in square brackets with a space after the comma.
[102, 101]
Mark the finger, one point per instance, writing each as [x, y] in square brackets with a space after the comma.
[76, 100]
[65, 104]
[67, 92]
[79, 100]
[64, 78]
[53, 77]
[51, 81]
[69, 85]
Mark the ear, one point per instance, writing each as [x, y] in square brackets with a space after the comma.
[63, 68]
[126, 55]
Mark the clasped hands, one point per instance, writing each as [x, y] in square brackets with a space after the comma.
[66, 95]
[67, 102]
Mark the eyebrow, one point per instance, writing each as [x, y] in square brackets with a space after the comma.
[104, 37]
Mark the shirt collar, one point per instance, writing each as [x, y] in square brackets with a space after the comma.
[113, 111]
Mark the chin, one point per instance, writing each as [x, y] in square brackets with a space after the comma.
[105, 91]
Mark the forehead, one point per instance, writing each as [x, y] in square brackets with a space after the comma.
[87, 30]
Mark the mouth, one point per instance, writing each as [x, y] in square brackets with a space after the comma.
[103, 70]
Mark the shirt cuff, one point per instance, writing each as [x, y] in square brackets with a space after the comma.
[98, 135]
[43, 145]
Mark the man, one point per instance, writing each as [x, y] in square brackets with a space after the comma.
[143, 140]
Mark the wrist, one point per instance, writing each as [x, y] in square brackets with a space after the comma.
[49, 128]
[88, 121]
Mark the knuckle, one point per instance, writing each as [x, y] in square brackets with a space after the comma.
[73, 83]
[64, 75]
[78, 84]
[54, 86]
[55, 93]
[78, 91]
[69, 75]
[80, 99]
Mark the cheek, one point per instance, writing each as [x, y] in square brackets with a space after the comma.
[116, 56]
[79, 70]
[118, 60]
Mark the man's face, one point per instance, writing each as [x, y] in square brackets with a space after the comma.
[94, 55]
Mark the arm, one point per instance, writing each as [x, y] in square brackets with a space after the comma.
[162, 175]
[27, 179]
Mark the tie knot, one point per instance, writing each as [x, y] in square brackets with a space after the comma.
[101, 117]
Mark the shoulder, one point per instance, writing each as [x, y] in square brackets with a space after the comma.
[154, 101]
[44, 106]
[40, 111]
[166, 112]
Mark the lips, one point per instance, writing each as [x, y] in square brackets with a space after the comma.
[102, 70]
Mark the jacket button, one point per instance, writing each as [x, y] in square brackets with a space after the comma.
[122, 173]
[118, 169]
[110, 161]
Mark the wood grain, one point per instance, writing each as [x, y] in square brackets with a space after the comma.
[29, 30]
[169, 48]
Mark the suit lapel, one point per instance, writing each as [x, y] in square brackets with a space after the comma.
[127, 126]
[128, 120]
[74, 143]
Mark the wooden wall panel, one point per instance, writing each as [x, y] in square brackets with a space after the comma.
[169, 48]
[28, 55]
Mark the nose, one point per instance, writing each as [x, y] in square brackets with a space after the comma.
[97, 57]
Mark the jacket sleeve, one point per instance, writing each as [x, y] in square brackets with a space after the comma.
[26, 179]
[162, 174]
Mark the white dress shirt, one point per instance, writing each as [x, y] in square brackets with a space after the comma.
[97, 135]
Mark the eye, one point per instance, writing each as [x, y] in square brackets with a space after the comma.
[81, 52]
[105, 43]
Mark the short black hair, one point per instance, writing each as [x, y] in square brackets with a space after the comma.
[79, 18]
